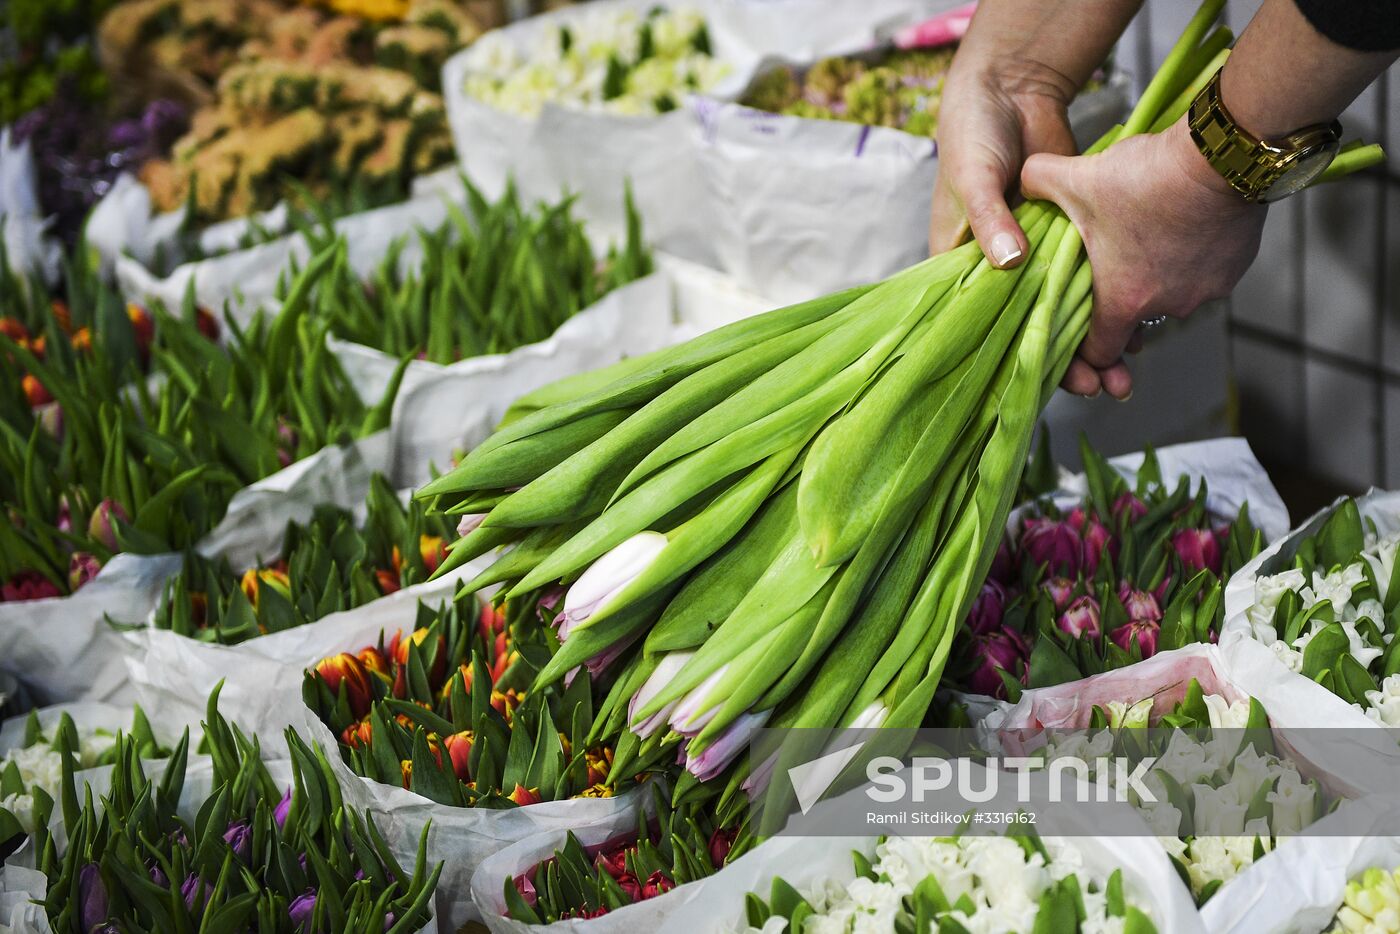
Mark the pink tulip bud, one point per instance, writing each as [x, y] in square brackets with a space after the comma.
[1141, 605]
[1052, 543]
[1197, 549]
[667, 669]
[997, 652]
[1060, 590]
[987, 609]
[1081, 620]
[1161, 591]
[607, 577]
[1096, 540]
[101, 527]
[1130, 505]
[469, 522]
[64, 520]
[1143, 632]
[83, 566]
[699, 707]
[726, 747]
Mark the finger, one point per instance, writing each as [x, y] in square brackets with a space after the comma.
[1109, 334]
[1081, 379]
[1117, 381]
[1135, 342]
[1049, 177]
[947, 224]
[982, 190]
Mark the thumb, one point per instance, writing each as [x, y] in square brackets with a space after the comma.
[1048, 177]
[982, 189]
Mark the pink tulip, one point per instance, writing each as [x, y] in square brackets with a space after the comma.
[28, 585]
[987, 609]
[1096, 540]
[469, 522]
[669, 667]
[607, 577]
[1131, 505]
[1143, 632]
[1161, 591]
[997, 652]
[1198, 549]
[1060, 590]
[1081, 620]
[83, 566]
[101, 526]
[726, 747]
[1141, 605]
[1052, 543]
[64, 520]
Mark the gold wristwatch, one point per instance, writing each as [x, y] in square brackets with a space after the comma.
[1259, 169]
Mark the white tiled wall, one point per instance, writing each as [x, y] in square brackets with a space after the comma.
[1316, 339]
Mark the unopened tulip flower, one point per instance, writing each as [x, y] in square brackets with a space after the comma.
[101, 526]
[1052, 543]
[872, 717]
[1130, 505]
[34, 391]
[284, 807]
[469, 523]
[432, 549]
[459, 750]
[1060, 590]
[344, 670]
[28, 585]
[1096, 540]
[1198, 549]
[986, 612]
[606, 577]
[669, 667]
[717, 756]
[92, 898]
[195, 891]
[721, 842]
[996, 652]
[525, 796]
[239, 836]
[1081, 619]
[303, 909]
[1143, 632]
[691, 715]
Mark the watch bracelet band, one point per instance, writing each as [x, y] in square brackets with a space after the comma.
[1228, 149]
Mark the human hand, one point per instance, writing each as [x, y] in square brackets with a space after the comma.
[1164, 233]
[996, 111]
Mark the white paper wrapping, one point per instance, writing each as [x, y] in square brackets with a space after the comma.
[716, 904]
[19, 886]
[1299, 887]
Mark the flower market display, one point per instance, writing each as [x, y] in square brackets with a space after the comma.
[1234, 785]
[671, 848]
[100, 458]
[1114, 579]
[1333, 615]
[504, 648]
[618, 60]
[328, 565]
[232, 848]
[964, 883]
[506, 277]
[33, 771]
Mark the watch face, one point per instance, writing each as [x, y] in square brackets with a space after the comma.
[1307, 165]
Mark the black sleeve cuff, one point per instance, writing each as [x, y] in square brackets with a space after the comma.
[1363, 25]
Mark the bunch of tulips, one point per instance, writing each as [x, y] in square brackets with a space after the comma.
[328, 565]
[784, 521]
[1126, 573]
[445, 712]
[509, 276]
[670, 848]
[251, 855]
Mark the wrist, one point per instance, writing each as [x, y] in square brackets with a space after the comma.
[1192, 165]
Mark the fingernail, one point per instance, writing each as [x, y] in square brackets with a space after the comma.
[1127, 397]
[1005, 249]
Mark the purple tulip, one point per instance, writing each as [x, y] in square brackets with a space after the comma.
[670, 666]
[996, 652]
[195, 891]
[157, 874]
[987, 609]
[1002, 569]
[1052, 543]
[726, 747]
[164, 120]
[1130, 505]
[101, 526]
[388, 920]
[1141, 605]
[240, 837]
[83, 566]
[1060, 591]
[1198, 549]
[1096, 539]
[284, 807]
[303, 909]
[92, 898]
[1161, 592]
[1081, 620]
[1143, 632]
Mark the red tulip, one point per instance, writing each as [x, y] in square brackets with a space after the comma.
[629, 884]
[433, 550]
[399, 648]
[14, 329]
[613, 862]
[721, 842]
[143, 326]
[206, 323]
[996, 652]
[358, 735]
[83, 566]
[525, 796]
[987, 609]
[345, 670]
[34, 392]
[526, 887]
[657, 883]
[1081, 620]
[1143, 632]
[1198, 549]
[1060, 590]
[102, 528]
[28, 585]
[459, 750]
[1054, 544]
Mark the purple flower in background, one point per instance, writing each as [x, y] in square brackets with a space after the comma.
[1198, 549]
[92, 898]
[195, 891]
[303, 909]
[987, 609]
[996, 652]
[239, 836]
[1143, 632]
[163, 122]
[1002, 567]
[1060, 590]
[1081, 620]
[1141, 606]
[284, 807]
[83, 566]
[1096, 539]
[1130, 505]
[1052, 543]
[157, 874]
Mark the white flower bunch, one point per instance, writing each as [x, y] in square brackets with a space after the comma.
[39, 765]
[1357, 594]
[1246, 800]
[991, 885]
[620, 61]
[1371, 904]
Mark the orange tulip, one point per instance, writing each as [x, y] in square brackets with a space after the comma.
[406, 767]
[142, 324]
[459, 750]
[34, 392]
[525, 796]
[358, 735]
[255, 578]
[62, 315]
[400, 649]
[344, 670]
[433, 550]
[506, 702]
[82, 340]
[374, 660]
[14, 329]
